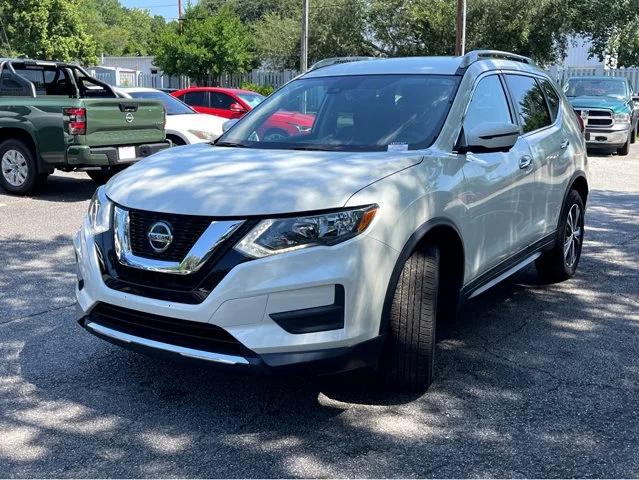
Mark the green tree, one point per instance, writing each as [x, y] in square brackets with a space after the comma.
[337, 28]
[118, 30]
[207, 47]
[47, 29]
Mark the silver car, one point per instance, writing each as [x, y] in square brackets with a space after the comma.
[406, 186]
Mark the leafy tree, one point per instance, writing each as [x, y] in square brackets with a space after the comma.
[337, 28]
[118, 30]
[207, 47]
[47, 29]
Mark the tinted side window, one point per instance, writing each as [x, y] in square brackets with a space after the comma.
[551, 96]
[529, 101]
[197, 99]
[488, 104]
[221, 100]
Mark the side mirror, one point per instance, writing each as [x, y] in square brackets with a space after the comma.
[229, 123]
[236, 107]
[490, 137]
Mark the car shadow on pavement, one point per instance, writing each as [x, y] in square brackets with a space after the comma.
[533, 380]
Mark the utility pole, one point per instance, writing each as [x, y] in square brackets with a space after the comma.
[180, 15]
[304, 39]
[460, 30]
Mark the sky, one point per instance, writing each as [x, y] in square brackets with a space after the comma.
[167, 8]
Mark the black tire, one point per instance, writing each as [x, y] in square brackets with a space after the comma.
[18, 167]
[623, 151]
[176, 141]
[101, 176]
[633, 134]
[558, 264]
[409, 353]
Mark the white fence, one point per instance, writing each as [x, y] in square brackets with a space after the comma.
[128, 78]
[563, 74]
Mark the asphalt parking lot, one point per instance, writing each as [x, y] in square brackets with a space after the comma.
[533, 381]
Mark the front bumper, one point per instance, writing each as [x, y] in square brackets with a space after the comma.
[607, 137]
[325, 361]
[245, 301]
[79, 156]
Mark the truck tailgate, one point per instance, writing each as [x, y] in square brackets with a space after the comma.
[121, 121]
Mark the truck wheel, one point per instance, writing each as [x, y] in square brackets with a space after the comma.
[18, 169]
[409, 353]
[561, 262]
[102, 176]
[623, 151]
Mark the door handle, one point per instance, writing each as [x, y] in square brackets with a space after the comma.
[525, 161]
[564, 144]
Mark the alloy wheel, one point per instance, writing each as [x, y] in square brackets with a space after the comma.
[14, 168]
[573, 236]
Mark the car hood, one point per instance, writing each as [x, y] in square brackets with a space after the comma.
[616, 105]
[221, 181]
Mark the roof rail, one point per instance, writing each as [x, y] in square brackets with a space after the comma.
[477, 55]
[327, 62]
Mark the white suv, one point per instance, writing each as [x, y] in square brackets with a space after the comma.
[409, 185]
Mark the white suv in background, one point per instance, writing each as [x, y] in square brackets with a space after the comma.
[422, 182]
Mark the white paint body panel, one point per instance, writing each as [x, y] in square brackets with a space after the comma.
[495, 218]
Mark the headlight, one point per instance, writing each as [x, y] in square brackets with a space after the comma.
[281, 235]
[621, 117]
[99, 214]
[203, 135]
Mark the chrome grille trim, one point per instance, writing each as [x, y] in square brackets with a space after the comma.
[597, 117]
[214, 235]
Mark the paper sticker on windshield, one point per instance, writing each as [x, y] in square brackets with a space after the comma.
[397, 147]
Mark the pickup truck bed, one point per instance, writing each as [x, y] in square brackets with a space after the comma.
[55, 116]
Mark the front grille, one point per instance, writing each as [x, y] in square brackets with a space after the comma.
[182, 333]
[190, 289]
[597, 118]
[186, 230]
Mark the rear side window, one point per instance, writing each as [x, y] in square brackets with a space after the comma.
[529, 101]
[197, 99]
[552, 97]
[221, 100]
[488, 104]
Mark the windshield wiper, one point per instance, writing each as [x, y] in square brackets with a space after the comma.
[230, 144]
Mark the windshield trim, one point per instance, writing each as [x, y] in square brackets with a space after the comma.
[263, 145]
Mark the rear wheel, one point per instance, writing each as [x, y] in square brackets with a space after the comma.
[18, 169]
[561, 262]
[409, 353]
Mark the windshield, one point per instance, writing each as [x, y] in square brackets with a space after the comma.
[173, 105]
[252, 99]
[349, 113]
[596, 87]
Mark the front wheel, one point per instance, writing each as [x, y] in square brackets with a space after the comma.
[409, 354]
[623, 151]
[561, 262]
[18, 170]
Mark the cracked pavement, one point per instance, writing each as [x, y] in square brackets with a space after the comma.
[533, 380]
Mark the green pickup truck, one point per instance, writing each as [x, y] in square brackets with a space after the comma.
[608, 109]
[54, 115]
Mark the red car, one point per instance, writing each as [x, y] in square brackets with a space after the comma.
[222, 102]
[234, 103]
